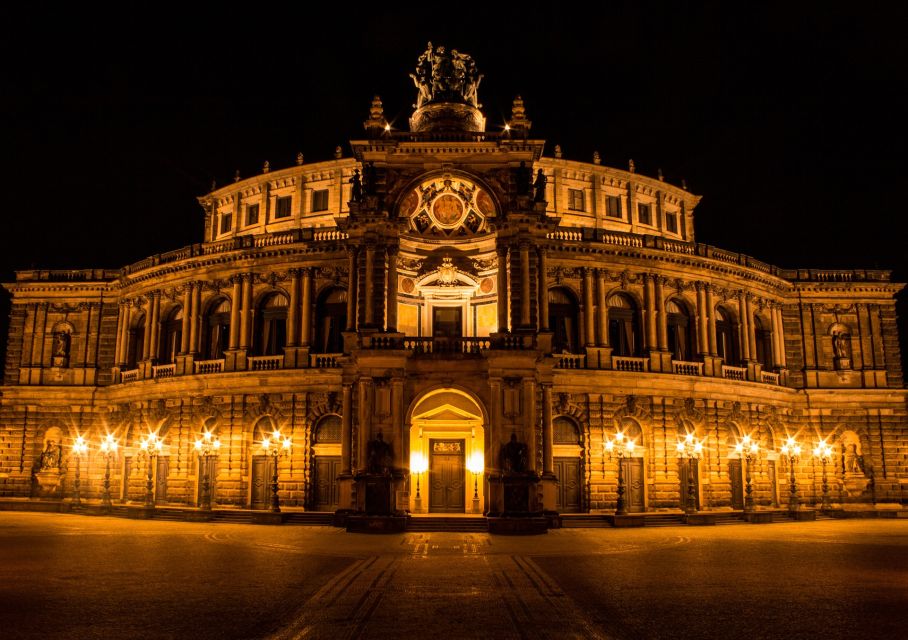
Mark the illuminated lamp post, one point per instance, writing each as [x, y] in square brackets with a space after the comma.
[621, 447]
[418, 465]
[206, 447]
[692, 449]
[792, 450]
[79, 447]
[476, 466]
[151, 446]
[277, 445]
[108, 450]
[824, 452]
[749, 450]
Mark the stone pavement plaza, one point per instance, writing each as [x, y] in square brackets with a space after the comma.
[65, 576]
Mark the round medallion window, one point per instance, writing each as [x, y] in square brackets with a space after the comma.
[447, 210]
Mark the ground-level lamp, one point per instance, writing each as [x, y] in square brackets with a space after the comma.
[276, 445]
[691, 449]
[151, 446]
[108, 449]
[792, 450]
[476, 464]
[418, 465]
[80, 447]
[621, 447]
[824, 452]
[206, 447]
[749, 450]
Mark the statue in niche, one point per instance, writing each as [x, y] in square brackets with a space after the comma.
[854, 461]
[356, 194]
[60, 349]
[539, 186]
[524, 177]
[51, 458]
[841, 345]
[380, 456]
[514, 456]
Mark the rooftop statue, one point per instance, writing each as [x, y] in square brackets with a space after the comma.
[446, 76]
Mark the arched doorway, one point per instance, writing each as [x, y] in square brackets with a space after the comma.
[330, 321]
[623, 326]
[271, 325]
[563, 319]
[326, 463]
[217, 329]
[262, 464]
[447, 436]
[568, 468]
[634, 479]
[735, 466]
[727, 337]
[171, 336]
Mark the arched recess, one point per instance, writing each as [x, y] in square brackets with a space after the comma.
[735, 430]
[727, 346]
[135, 352]
[632, 421]
[564, 320]
[330, 320]
[326, 463]
[763, 338]
[624, 333]
[270, 324]
[567, 451]
[262, 464]
[681, 329]
[447, 431]
[216, 329]
[689, 427]
[171, 335]
[208, 466]
[61, 344]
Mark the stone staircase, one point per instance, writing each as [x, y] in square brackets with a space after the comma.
[461, 524]
[585, 520]
[310, 518]
[664, 519]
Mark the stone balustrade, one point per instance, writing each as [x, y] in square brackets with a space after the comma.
[683, 368]
[208, 366]
[628, 363]
[734, 373]
[265, 363]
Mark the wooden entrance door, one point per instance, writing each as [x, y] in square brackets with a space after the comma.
[446, 476]
[634, 484]
[568, 499]
[326, 495]
[689, 474]
[207, 466]
[736, 475]
[261, 482]
[160, 489]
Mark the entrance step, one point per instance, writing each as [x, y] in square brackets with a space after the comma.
[593, 521]
[310, 518]
[170, 514]
[729, 517]
[664, 519]
[461, 524]
[232, 517]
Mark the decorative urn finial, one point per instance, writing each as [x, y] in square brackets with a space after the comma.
[376, 124]
[519, 120]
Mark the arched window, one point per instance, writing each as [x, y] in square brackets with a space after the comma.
[171, 336]
[623, 326]
[330, 321]
[726, 337]
[217, 329]
[764, 343]
[563, 318]
[680, 331]
[135, 350]
[565, 431]
[271, 325]
[328, 430]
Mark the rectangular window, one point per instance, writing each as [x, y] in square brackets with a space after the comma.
[226, 222]
[644, 214]
[613, 206]
[252, 214]
[320, 200]
[671, 222]
[282, 207]
[575, 199]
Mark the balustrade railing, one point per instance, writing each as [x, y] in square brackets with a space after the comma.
[131, 375]
[570, 360]
[769, 377]
[265, 363]
[163, 371]
[687, 368]
[324, 360]
[734, 373]
[447, 346]
[321, 236]
[628, 363]
[208, 366]
[564, 234]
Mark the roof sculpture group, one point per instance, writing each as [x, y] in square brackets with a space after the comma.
[446, 76]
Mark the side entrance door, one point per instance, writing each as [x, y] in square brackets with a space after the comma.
[735, 474]
[163, 470]
[633, 478]
[446, 476]
[207, 467]
[261, 482]
[688, 470]
[326, 497]
[567, 470]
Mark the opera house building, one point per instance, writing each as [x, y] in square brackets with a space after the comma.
[454, 319]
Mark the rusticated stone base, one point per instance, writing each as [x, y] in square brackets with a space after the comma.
[518, 526]
[376, 524]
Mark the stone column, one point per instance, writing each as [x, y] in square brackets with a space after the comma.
[524, 284]
[742, 327]
[774, 329]
[306, 309]
[548, 431]
[235, 303]
[392, 290]
[543, 291]
[529, 422]
[245, 313]
[346, 427]
[351, 292]
[146, 338]
[649, 302]
[369, 287]
[155, 324]
[751, 331]
[588, 316]
[702, 319]
[602, 310]
[121, 323]
[401, 444]
[187, 303]
[502, 289]
[661, 318]
[196, 325]
[130, 312]
[711, 320]
[293, 310]
[365, 409]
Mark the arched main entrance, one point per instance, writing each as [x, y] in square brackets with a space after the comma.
[447, 441]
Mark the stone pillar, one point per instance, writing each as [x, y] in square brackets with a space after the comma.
[401, 441]
[649, 302]
[391, 312]
[196, 324]
[306, 309]
[502, 289]
[529, 422]
[779, 333]
[602, 310]
[351, 292]
[742, 327]
[155, 324]
[187, 303]
[548, 431]
[364, 421]
[524, 284]
[711, 321]
[661, 318]
[121, 325]
[588, 316]
[543, 291]
[751, 330]
[235, 303]
[702, 320]
[369, 287]
[246, 311]
[346, 428]
[146, 338]
[293, 310]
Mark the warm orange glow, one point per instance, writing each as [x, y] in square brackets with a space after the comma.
[418, 463]
[476, 463]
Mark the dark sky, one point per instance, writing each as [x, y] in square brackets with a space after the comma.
[790, 121]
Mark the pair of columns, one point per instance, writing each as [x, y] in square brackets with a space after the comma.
[505, 281]
[374, 282]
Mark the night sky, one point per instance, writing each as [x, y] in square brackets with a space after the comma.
[790, 122]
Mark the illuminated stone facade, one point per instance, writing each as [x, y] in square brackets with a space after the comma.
[433, 290]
